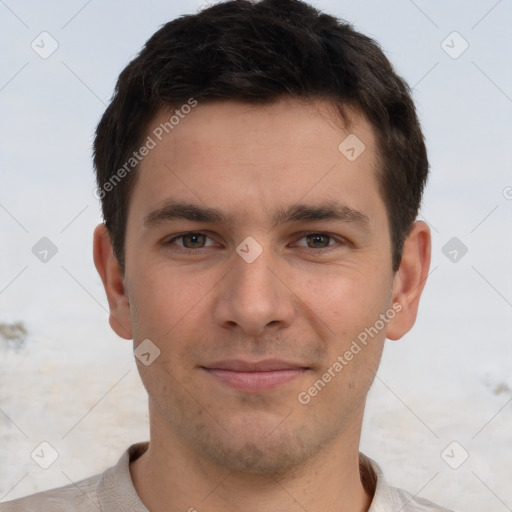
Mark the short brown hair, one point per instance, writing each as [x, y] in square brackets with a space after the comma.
[256, 52]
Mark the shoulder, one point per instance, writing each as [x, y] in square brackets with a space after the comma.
[402, 500]
[387, 498]
[80, 497]
[111, 490]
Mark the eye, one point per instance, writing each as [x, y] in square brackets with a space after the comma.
[190, 241]
[317, 241]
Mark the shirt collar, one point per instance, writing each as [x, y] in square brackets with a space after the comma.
[116, 492]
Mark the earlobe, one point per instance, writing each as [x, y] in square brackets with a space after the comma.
[113, 281]
[410, 279]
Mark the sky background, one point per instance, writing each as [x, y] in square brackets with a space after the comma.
[74, 384]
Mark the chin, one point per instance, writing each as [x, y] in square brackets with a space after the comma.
[266, 450]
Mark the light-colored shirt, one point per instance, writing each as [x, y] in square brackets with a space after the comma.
[113, 491]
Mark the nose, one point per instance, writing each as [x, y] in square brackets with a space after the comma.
[254, 297]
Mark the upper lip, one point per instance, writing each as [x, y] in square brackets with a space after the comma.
[267, 365]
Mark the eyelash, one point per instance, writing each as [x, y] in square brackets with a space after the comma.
[321, 250]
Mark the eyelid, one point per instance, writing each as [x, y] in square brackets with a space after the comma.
[299, 236]
[341, 240]
[173, 238]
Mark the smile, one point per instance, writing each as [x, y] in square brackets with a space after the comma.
[254, 377]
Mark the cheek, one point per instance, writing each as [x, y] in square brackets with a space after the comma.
[346, 300]
[159, 299]
[170, 306]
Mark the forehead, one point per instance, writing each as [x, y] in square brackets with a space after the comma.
[246, 159]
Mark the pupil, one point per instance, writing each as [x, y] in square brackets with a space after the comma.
[194, 239]
[317, 240]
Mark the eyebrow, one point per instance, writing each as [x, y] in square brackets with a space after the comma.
[331, 211]
[328, 211]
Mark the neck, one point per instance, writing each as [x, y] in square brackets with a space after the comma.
[170, 476]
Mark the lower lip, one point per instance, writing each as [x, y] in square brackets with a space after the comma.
[255, 381]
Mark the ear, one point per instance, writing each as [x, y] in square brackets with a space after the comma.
[409, 280]
[113, 281]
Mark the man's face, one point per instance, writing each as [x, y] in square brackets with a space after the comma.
[243, 335]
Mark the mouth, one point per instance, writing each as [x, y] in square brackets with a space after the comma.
[254, 376]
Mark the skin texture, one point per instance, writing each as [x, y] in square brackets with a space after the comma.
[303, 300]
